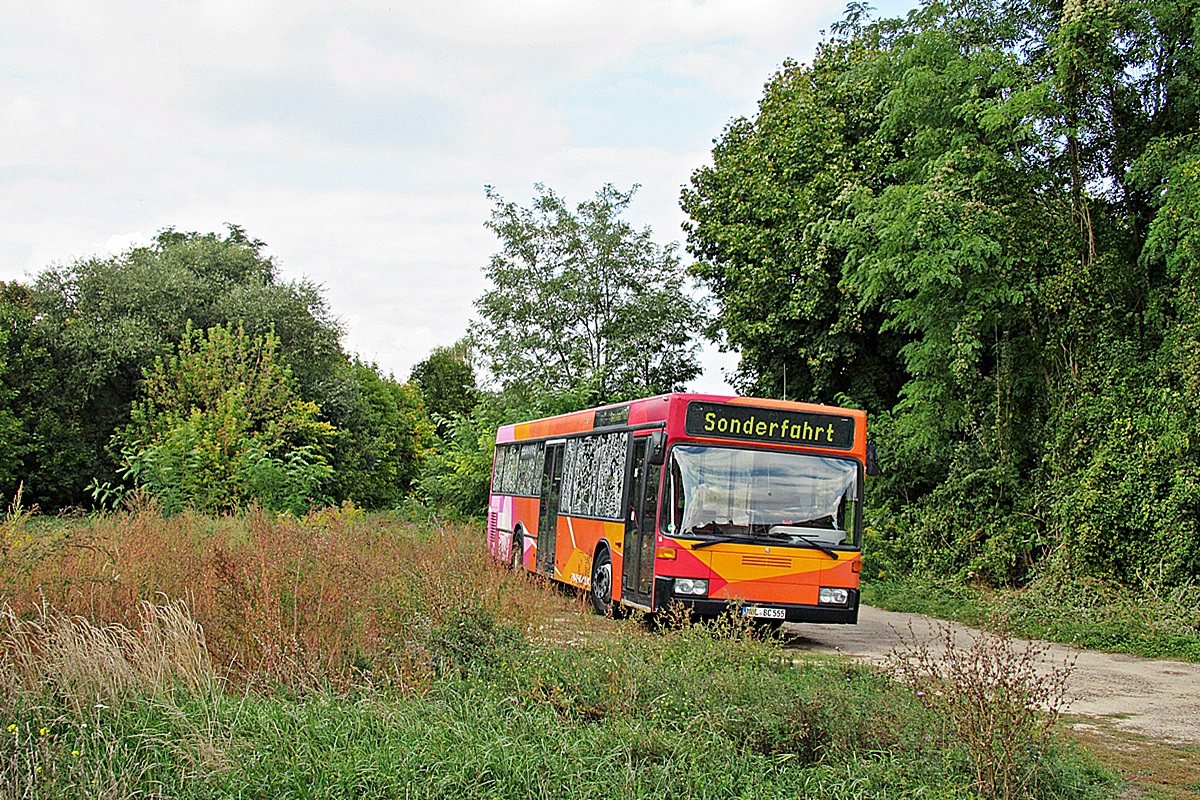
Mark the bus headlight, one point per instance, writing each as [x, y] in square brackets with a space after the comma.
[833, 597]
[691, 586]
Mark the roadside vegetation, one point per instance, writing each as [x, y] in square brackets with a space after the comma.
[1087, 612]
[345, 654]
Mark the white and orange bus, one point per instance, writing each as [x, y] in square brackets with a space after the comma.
[701, 500]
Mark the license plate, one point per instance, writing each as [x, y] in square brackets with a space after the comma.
[764, 613]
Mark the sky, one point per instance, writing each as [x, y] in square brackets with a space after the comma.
[356, 138]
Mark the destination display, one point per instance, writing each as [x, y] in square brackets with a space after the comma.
[769, 425]
[607, 417]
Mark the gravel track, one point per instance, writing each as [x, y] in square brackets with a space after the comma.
[1153, 698]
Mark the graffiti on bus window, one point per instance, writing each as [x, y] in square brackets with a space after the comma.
[610, 475]
[593, 475]
[508, 482]
[529, 470]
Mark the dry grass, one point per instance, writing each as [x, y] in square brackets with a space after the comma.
[89, 665]
[108, 616]
[337, 597]
[1155, 769]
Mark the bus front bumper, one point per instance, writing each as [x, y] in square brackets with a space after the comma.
[768, 612]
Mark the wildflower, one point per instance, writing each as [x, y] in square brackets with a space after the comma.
[12, 729]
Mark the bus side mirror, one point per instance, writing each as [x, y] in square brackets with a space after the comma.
[656, 454]
[872, 459]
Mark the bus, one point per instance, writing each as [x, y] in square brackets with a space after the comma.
[701, 500]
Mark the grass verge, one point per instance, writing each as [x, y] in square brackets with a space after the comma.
[1154, 769]
[691, 713]
[1084, 612]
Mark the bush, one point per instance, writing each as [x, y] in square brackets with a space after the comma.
[220, 426]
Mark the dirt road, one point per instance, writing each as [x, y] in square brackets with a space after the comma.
[1160, 699]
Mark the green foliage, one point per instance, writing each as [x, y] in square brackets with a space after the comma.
[458, 474]
[585, 310]
[583, 303]
[219, 425]
[40, 416]
[978, 224]
[447, 383]
[688, 713]
[12, 439]
[764, 218]
[382, 442]
[76, 344]
[102, 322]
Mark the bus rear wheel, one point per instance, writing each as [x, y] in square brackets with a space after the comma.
[602, 602]
[515, 553]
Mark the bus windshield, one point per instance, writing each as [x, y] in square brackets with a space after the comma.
[730, 492]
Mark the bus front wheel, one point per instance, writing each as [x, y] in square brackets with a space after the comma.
[602, 602]
[515, 562]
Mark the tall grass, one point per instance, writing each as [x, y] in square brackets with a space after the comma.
[688, 713]
[347, 655]
[334, 597]
[89, 665]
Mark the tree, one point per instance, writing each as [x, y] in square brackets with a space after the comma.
[104, 321]
[765, 228]
[219, 425]
[584, 304]
[447, 383]
[83, 336]
[44, 428]
[974, 222]
[382, 443]
[457, 476]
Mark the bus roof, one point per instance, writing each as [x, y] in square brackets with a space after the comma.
[711, 417]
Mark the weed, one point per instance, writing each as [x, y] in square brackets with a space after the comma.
[337, 597]
[345, 654]
[1001, 698]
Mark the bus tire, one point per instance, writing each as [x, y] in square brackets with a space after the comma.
[515, 562]
[602, 601]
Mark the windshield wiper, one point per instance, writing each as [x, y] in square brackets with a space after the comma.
[811, 543]
[711, 528]
[790, 533]
[717, 532]
[727, 540]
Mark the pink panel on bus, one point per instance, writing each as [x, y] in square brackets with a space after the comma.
[500, 518]
[506, 434]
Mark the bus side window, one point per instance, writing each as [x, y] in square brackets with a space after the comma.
[498, 470]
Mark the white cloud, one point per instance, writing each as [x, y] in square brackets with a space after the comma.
[356, 138]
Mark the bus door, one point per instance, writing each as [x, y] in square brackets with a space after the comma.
[547, 532]
[637, 570]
